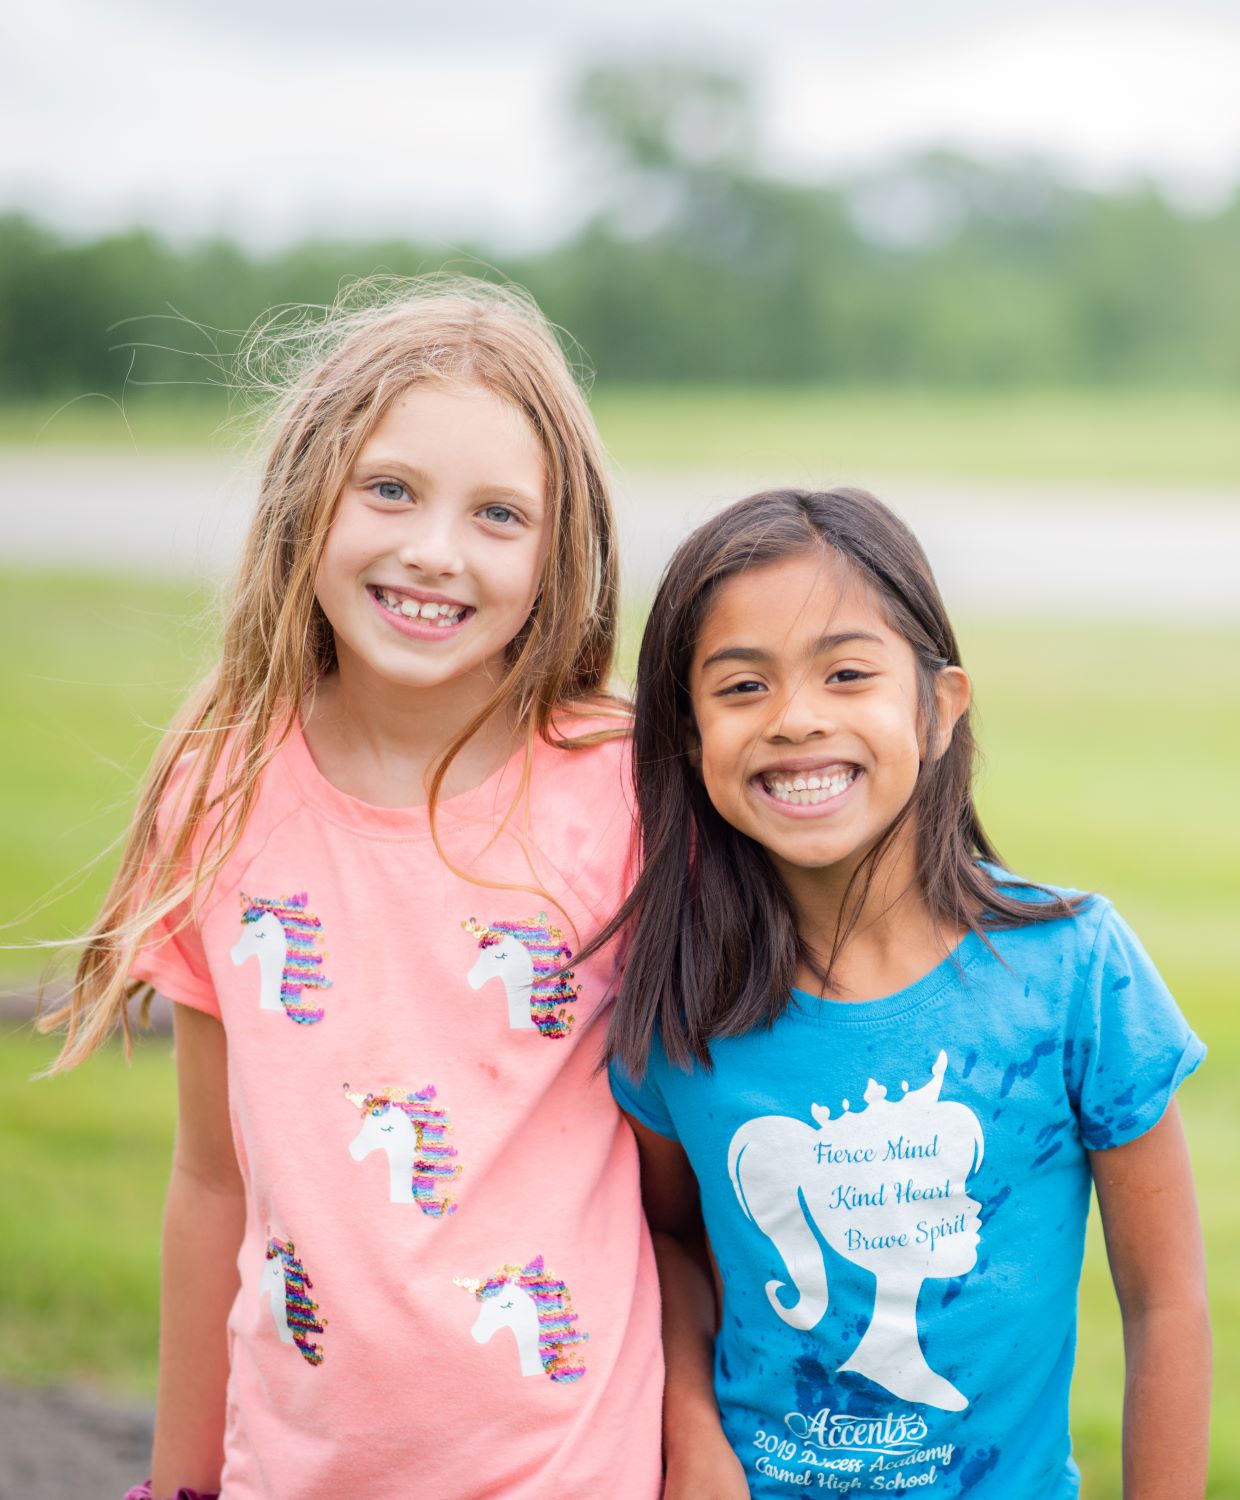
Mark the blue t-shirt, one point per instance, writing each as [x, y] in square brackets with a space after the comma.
[896, 1191]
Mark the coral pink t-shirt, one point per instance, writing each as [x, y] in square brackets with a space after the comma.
[447, 1286]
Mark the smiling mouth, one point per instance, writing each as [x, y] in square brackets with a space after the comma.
[808, 788]
[409, 607]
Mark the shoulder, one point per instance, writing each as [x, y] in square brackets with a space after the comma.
[1090, 944]
[582, 810]
[1067, 941]
[1090, 907]
[587, 751]
[203, 786]
[1033, 891]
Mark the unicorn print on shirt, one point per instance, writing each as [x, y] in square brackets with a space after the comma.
[296, 1316]
[283, 936]
[885, 1187]
[527, 957]
[539, 1311]
[410, 1127]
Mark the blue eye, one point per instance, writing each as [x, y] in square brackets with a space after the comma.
[501, 515]
[390, 489]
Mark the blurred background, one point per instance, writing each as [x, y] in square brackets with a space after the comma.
[981, 259]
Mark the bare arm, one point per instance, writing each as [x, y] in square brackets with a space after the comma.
[1153, 1236]
[204, 1219]
[700, 1462]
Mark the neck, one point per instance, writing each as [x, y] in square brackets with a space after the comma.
[381, 742]
[893, 937]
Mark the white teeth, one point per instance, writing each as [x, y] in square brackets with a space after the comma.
[809, 791]
[418, 609]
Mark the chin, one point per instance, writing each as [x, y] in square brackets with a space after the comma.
[816, 856]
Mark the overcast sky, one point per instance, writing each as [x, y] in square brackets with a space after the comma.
[270, 119]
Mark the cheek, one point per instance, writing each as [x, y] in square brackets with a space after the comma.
[332, 588]
[342, 557]
[518, 577]
[894, 736]
[723, 761]
[326, 575]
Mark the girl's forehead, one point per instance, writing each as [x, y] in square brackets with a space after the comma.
[422, 405]
[460, 428]
[796, 597]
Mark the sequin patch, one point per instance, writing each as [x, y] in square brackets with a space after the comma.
[549, 995]
[552, 1307]
[299, 1310]
[301, 933]
[422, 1148]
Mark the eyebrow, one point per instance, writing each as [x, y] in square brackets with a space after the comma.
[821, 646]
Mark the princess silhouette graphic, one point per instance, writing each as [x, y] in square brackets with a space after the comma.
[885, 1186]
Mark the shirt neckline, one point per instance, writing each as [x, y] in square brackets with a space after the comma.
[489, 799]
[847, 1013]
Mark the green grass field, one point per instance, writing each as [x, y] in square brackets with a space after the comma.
[1086, 436]
[1109, 766]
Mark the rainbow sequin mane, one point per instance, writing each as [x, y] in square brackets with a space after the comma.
[303, 964]
[433, 1167]
[550, 996]
[557, 1337]
[298, 1308]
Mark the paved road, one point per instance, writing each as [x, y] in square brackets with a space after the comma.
[1113, 551]
[58, 1444]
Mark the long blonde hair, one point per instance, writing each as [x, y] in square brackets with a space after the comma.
[339, 373]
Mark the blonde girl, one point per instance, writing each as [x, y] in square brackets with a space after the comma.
[403, 1252]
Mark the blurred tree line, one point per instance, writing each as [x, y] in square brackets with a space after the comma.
[695, 265]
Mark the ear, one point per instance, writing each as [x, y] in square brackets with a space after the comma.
[693, 746]
[952, 692]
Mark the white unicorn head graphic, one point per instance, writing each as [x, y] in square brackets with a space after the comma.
[527, 956]
[409, 1126]
[284, 937]
[537, 1308]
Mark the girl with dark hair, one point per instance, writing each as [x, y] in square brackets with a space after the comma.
[893, 1068]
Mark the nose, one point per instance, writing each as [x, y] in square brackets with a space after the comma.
[430, 545]
[801, 714]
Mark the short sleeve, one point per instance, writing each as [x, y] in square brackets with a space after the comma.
[1129, 1048]
[644, 1100]
[173, 962]
[172, 958]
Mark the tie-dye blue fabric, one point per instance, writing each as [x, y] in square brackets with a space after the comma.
[896, 1192]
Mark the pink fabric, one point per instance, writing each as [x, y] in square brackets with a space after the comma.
[356, 1368]
[144, 1492]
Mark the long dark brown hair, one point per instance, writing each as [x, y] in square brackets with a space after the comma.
[710, 938]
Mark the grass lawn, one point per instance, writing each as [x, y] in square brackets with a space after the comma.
[92, 667]
[827, 434]
[1109, 765]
